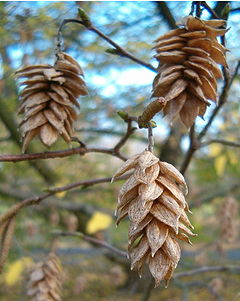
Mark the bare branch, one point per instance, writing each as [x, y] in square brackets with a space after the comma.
[38, 199]
[81, 150]
[228, 81]
[120, 51]
[205, 269]
[92, 240]
[192, 148]
[123, 140]
[209, 9]
[221, 141]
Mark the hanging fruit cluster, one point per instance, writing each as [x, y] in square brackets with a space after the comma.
[45, 280]
[48, 99]
[188, 71]
[153, 199]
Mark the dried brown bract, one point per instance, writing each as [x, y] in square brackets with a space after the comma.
[153, 199]
[49, 98]
[228, 220]
[45, 280]
[188, 71]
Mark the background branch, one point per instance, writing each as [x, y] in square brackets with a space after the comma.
[82, 150]
[221, 141]
[93, 240]
[193, 147]
[205, 269]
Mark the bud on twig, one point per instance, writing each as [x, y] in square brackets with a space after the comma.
[84, 18]
[151, 110]
[113, 51]
[123, 115]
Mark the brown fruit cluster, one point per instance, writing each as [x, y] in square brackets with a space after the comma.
[48, 100]
[45, 280]
[188, 71]
[228, 220]
[153, 199]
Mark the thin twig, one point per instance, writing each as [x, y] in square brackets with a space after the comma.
[121, 51]
[38, 199]
[148, 291]
[191, 150]
[222, 100]
[93, 240]
[150, 137]
[208, 269]
[209, 9]
[56, 154]
[221, 141]
[228, 81]
[123, 140]
[82, 150]
[198, 8]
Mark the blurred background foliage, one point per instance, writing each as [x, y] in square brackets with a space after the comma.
[28, 34]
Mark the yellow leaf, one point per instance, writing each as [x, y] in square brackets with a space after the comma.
[220, 164]
[215, 149]
[62, 194]
[232, 157]
[15, 269]
[99, 221]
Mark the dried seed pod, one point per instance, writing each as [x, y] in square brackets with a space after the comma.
[153, 199]
[228, 214]
[48, 100]
[189, 59]
[45, 280]
[6, 236]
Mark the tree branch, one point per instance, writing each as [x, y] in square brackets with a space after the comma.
[166, 13]
[119, 50]
[228, 81]
[92, 240]
[8, 120]
[81, 150]
[207, 269]
[123, 140]
[221, 141]
[38, 199]
[192, 148]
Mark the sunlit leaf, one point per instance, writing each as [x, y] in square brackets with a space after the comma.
[99, 221]
[15, 270]
[220, 164]
[215, 149]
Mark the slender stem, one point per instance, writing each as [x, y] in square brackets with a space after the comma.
[198, 8]
[123, 140]
[207, 269]
[121, 51]
[191, 150]
[59, 154]
[93, 240]
[209, 9]
[221, 141]
[81, 150]
[150, 137]
[38, 199]
[195, 144]
[149, 289]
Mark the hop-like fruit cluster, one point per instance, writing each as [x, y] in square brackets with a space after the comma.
[228, 217]
[45, 280]
[153, 199]
[48, 99]
[188, 71]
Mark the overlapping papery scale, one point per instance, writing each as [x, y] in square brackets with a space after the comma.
[153, 199]
[45, 280]
[49, 98]
[188, 70]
